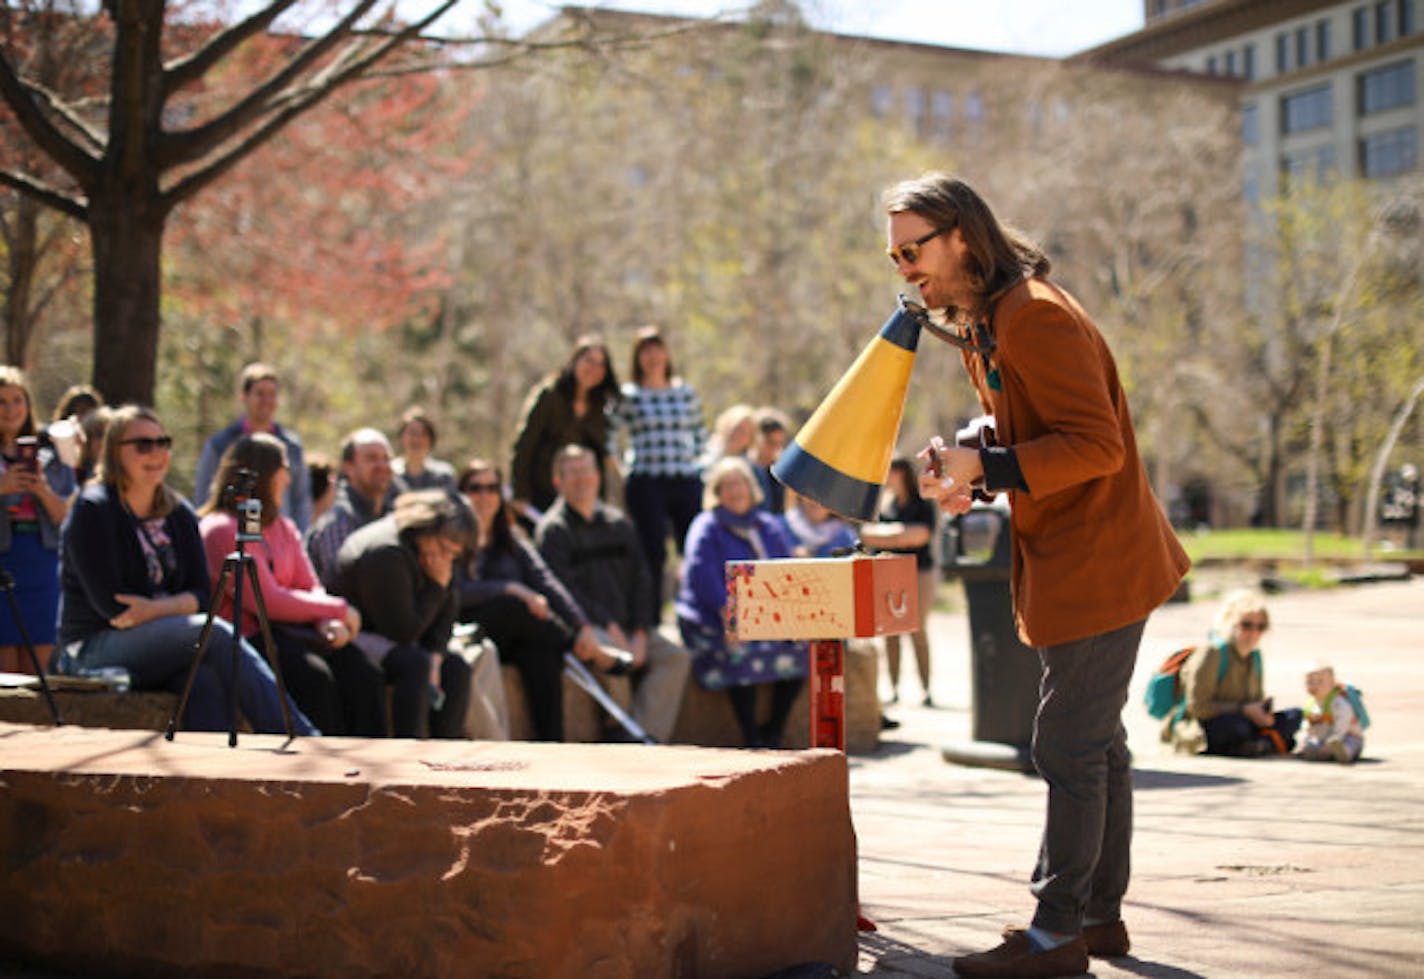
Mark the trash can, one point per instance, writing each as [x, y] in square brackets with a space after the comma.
[1004, 673]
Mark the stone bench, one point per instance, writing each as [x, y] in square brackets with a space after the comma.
[127, 854]
[705, 718]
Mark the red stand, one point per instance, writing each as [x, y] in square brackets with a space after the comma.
[828, 693]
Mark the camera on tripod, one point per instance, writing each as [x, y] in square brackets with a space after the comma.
[241, 491]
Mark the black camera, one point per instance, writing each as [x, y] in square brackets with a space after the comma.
[249, 509]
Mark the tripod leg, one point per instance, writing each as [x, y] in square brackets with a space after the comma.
[236, 645]
[199, 651]
[9, 587]
[273, 660]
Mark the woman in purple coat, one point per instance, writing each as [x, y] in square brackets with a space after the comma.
[732, 527]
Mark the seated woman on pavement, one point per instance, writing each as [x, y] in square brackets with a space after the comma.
[134, 585]
[732, 527]
[341, 690]
[1226, 710]
[399, 571]
[506, 588]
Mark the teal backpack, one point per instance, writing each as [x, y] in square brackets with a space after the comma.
[1357, 703]
[1164, 693]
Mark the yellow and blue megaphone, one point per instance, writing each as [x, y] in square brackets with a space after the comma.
[841, 457]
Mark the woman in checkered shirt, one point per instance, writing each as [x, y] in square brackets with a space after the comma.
[662, 416]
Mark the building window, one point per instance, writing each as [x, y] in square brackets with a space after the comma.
[1316, 164]
[1406, 17]
[1302, 111]
[1248, 62]
[1250, 123]
[1322, 40]
[1302, 47]
[1360, 27]
[1384, 28]
[942, 108]
[915, 105]
[974, 107]
[1386, 88]
[1282, 54]
[1388, 153]
[1211, 64]
[882, 100]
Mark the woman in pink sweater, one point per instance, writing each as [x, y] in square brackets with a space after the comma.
[327, 675]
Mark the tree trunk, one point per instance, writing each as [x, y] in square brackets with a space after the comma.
[127, 236]
[24, 260]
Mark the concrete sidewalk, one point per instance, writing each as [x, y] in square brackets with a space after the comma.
[1273, 867]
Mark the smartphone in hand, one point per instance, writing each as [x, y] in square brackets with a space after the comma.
[27, 449]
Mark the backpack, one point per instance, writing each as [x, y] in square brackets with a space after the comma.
[1357, 703]
[1164, 693]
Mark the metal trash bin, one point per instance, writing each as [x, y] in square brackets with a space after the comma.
[1004, 673]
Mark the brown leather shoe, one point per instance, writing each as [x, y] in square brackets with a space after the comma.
[1107, 941]
[1019, 958]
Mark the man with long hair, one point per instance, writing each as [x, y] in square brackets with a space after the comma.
[1093, 553]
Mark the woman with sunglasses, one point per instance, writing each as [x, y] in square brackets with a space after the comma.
[505, 587]
[134, 587]
[35, 489]
[1226, 709]
[567, 408]
[342, 691]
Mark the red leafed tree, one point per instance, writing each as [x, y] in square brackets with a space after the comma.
[325, 222]
[124, 162]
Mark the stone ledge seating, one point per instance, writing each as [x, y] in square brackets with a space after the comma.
[705, 719]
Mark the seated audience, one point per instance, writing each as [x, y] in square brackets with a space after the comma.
[732, 434]
[772, 432]
[508, 590]
[416, 469]
[323, 475]
[814, 531]
[1223, 686]
[35, 491]
[595, 551]
[134, 584]
[733, 528]
[332, 681]
[399, 572]
[363, 494]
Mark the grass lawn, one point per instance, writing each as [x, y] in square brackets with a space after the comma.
[1286, 546]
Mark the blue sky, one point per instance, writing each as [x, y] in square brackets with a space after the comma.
[1043, 27]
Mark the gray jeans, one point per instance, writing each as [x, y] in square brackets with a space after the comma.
[1080, 749]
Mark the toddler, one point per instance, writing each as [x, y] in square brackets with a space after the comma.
[1333, 731]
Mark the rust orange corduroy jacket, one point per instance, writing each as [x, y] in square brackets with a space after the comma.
[1092, 549]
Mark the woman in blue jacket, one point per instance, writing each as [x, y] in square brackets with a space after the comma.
[733, 528]
[134, 586]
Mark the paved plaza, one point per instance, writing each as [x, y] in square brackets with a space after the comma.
[1264, 868]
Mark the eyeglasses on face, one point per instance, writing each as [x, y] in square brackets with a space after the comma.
[143, 444]
[909, 253]
[480, 488]
[1251, 625]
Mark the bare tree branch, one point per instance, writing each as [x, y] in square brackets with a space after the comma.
[65, 152]
[192, 144]
[193, 67]
[45, 194]
[55, 104]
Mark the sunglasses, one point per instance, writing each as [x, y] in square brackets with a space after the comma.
[909, 253]
[480, 488]
[1251, 625]
[143, 445]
